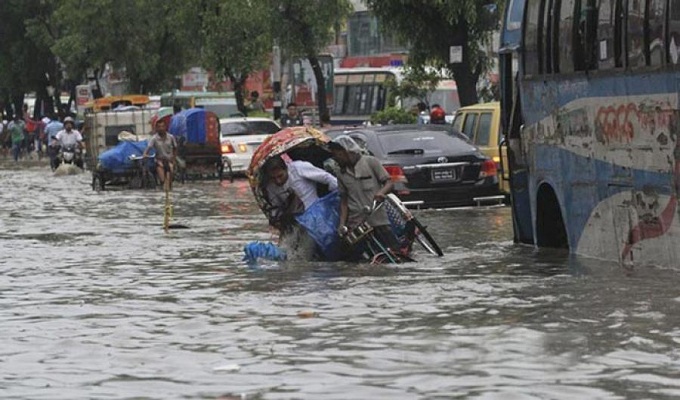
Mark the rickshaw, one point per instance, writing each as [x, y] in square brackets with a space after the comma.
[198, 135]
[321, 219]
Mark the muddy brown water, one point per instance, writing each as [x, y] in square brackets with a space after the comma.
[96, 302]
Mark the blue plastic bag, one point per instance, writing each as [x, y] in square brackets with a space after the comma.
[321, 221]
[268, 251]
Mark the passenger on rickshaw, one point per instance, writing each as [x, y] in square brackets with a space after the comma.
[361, 181]
[292, 188]
[166, 152]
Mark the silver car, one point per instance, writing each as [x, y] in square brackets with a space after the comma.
[239, 137]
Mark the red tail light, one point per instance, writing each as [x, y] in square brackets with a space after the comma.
[396, 173]
[488, 169]
[227, 148]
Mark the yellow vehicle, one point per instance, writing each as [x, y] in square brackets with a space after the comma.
[482, 124]
[111, 102]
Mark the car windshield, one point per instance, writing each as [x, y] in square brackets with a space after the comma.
[241, 128]
[419, 143]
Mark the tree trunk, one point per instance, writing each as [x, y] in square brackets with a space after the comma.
[466, 81]
[18, 102]
[239, 84]
[320, 84]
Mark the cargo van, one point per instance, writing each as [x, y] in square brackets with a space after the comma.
[102, 130]
[482, 124]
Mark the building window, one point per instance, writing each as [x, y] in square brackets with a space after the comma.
[366, 38]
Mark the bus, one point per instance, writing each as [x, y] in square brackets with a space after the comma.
[590, 114]
[222, 104]
[360, 92]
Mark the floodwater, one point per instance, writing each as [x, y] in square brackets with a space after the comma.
[97, 302]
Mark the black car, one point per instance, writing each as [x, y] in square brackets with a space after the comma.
[433, 164]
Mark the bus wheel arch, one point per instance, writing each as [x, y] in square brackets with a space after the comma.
[550, 228]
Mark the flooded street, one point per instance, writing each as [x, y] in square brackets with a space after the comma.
[96, 301]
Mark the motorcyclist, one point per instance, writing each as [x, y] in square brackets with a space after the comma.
[68, 137]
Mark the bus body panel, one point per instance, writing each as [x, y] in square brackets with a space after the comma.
[597, 148]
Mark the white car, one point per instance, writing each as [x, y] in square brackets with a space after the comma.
[239, 137]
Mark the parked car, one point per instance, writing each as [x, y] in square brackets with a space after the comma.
[482, 124]
[239, 137]
[432, 164]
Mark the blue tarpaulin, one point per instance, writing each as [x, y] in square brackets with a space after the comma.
[190, 124]
[117, 159]
[321, 222]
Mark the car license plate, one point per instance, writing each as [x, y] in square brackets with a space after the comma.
[444, 175]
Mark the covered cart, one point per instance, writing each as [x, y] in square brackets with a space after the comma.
[198, 136]
[123, 166]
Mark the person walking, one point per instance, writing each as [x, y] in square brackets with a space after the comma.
[165, 146]
[16, 129]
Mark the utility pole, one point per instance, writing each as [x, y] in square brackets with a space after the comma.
[276, 71]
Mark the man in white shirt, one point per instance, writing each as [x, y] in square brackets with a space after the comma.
[292, 186]
[68, 137]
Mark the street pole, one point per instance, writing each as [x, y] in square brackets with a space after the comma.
[276, 71]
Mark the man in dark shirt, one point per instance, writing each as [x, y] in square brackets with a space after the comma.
[292, 118]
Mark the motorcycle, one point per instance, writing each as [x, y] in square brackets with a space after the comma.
[71, 154]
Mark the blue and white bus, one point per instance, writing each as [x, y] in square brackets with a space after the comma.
[591, 115]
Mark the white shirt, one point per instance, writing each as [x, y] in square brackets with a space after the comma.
[302, 179]
[69, 138]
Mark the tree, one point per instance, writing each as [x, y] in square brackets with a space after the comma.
[24, 63]
[432, 27]
[237, 41]
[417, 82]
[151, 41]
[304, 28]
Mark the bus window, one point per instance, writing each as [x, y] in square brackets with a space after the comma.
[531, 36]
[605, 35]
[339, 99]
[483, 129]
[469, 125]
[553, 36]
[585, 35]
[566, 41]
[353, 97]
[547, 37]
[674, 33]
[654, 32]
[636, 33]
[619, 34]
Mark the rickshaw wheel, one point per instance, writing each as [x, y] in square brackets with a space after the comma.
[231, 172]
[220, 169]
[426, 240]
[97, 183]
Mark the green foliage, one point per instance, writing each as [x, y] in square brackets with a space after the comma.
[237, 40]
[152, 41]
[417, 82]
[393, 116]
[432, 27]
